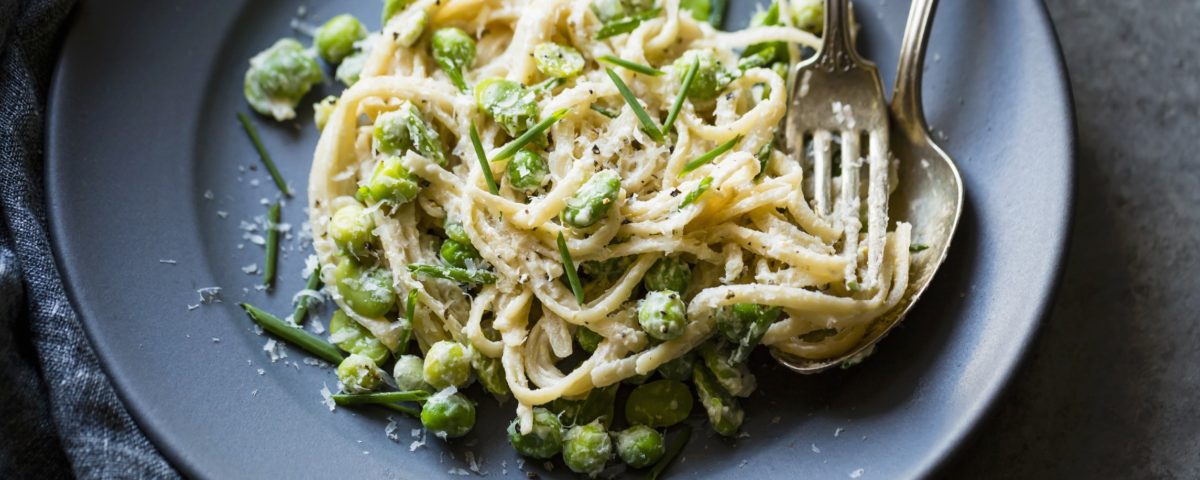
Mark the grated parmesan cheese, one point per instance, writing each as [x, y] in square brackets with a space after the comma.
[327, 397]
[858, 473]
[209, 295]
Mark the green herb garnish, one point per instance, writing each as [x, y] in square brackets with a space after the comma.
[693, 195]
[460, 275]
[764, 157]
[272, 246]
[378, 398]
[625, 24]
[647, 123]
[569, 266]
[483, 163]
[603, 111]
[628, 65]
[262, 153]
[918, 247]
[683, 92]
[294, 335]
[709, 156]
[511, 148]
[314, 282]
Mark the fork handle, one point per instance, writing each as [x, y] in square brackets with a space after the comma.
[906, 97]
[837, 48]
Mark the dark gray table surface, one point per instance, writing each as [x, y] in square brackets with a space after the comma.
[1111, 388]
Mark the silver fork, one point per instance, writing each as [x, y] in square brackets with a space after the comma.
[837, 92]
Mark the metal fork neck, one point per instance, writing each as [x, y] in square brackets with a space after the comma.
[837, 48]
[906, 97]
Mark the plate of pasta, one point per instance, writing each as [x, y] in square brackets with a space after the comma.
[536, 238]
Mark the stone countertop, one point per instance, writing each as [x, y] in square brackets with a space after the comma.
[1111, 387]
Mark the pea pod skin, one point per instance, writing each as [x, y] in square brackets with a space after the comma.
[640, 446]
[448, 414]
[352, 230]
[459, 255]
[359, 374]
[661, 315]
[593, 200]
[453, 50]
[368, 292]
[490, 373]
[559, 61]
[425, 139]
[351, 337]
[679, 369]
[455, 231]
[711, 77]
[509, 103]
[335, 39]
[734, 378]
[409, 374]
[390, 182]
[588, 339]
[586, 448]
[279, 77]
[762, 318]
[528, 171]
[722, 409]
[668, 274]
[659, 404]
[447, 364]
[543, 441]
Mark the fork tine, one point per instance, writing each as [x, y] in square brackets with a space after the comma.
[822, 173]
[849, 203]
[877, 205]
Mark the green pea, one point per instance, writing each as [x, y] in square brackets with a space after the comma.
[588, 339]
[279, 77]
[722, 409]
[406, 128]
[640, 446]
[543, 441]
[359, 374]
[637, 379]
[335, 39]
[734, 377]
[810, 16]
[679, 369]
[711, 76]
[661, 315]
[366, 291]
[351, 229]
[528, 171]
[391, 183]
[348, 335]
[586, 448]
[593, 200]
[392, 7]
[700, 8]
[744, 324]
[448, 415]
[668, 274]
[658, 404]
[453, 50]
[409, 374]
[490, 372]
[455, 231]
[349, 71]
[447, 364]
[460, 255]
[555, 60]
[391, 133]
[322, 110]
[513, 106]
[607, 269]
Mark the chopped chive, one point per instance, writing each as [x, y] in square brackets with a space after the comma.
[674, 447]
[569, 266]
[683, 92]
[709, 156]
[410, 310]
[764, 157]
[716, 16]
[518, 143]
[294, 335]
[625, 24]
[918, 247]
[547, 84]
[647, 123]
[693, 195]
[628, 65]
[483, 163]
[405, 409]
[603, 111]
[272, 246]
[301, 311]
[460, 275]
[262, 153]
[378, 398]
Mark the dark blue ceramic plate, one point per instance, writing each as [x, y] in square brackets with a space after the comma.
[142, 125]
